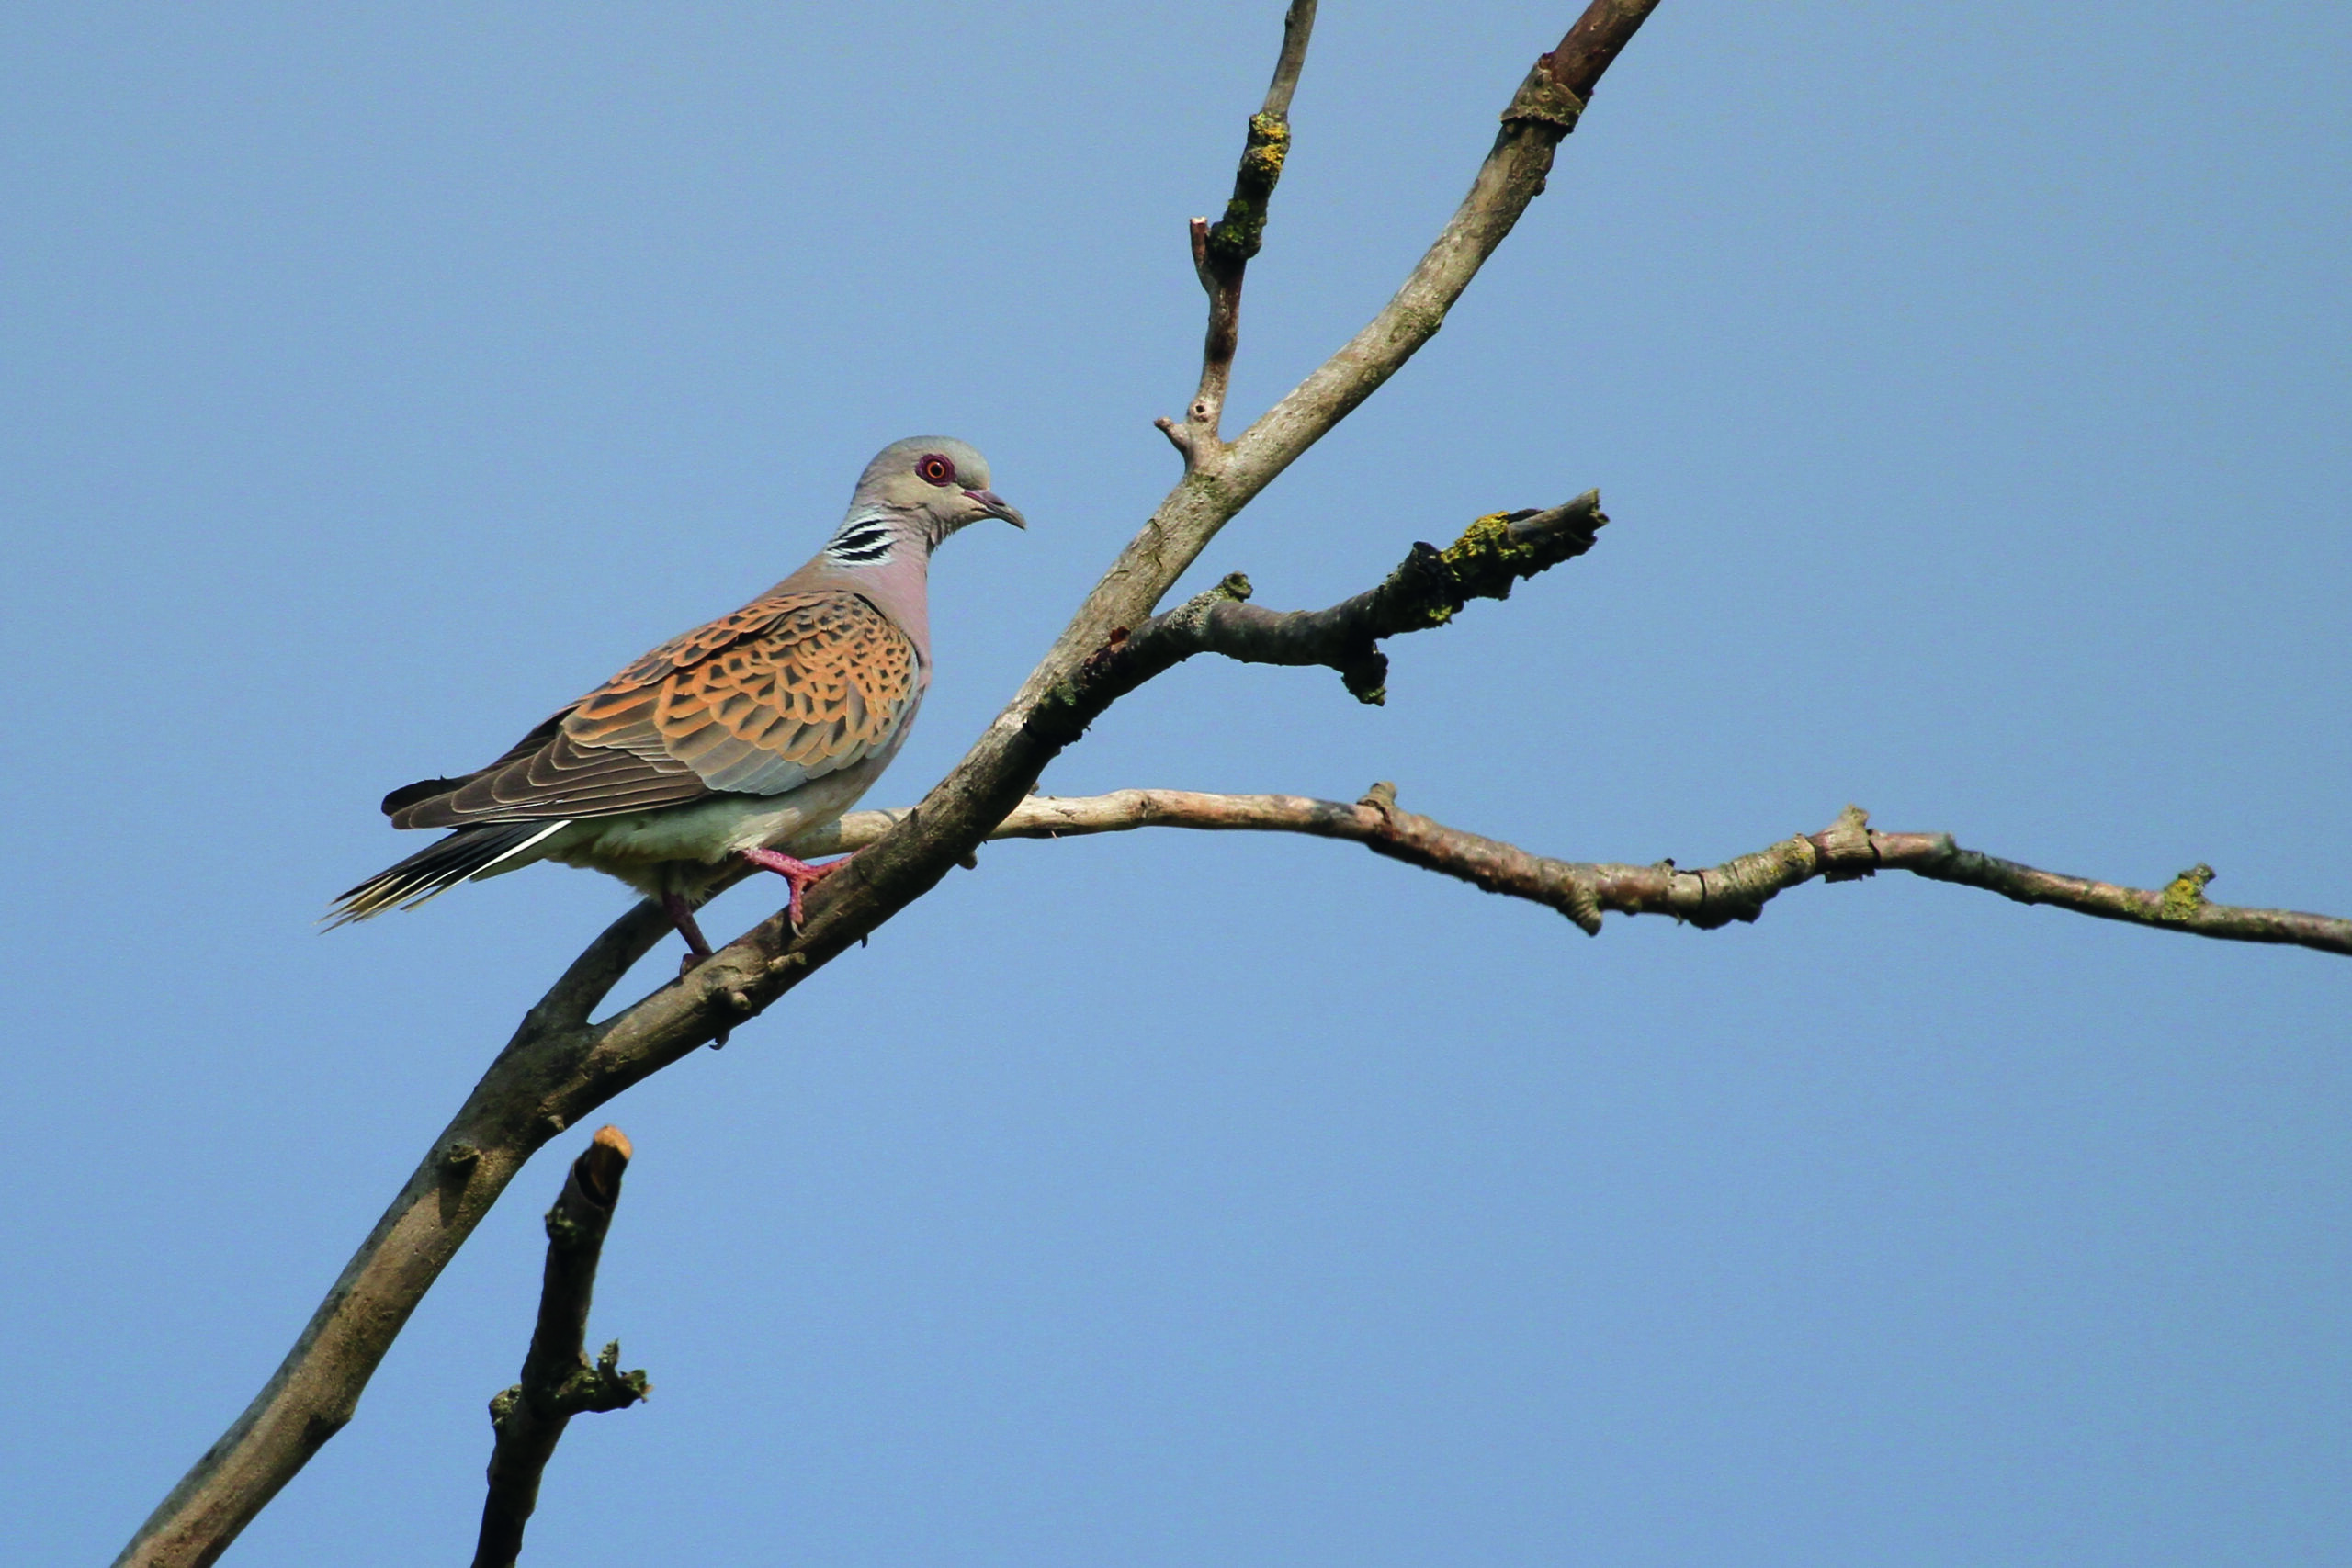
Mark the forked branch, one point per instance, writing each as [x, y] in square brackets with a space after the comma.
[558, 1381]
[1221, 251]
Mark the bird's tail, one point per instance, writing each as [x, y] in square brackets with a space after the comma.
[439, 866]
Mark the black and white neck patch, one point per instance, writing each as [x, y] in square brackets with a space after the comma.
[863, 541]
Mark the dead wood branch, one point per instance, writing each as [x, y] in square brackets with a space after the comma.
[1849, 849]
[1425, 591]
[558, 1381]
[1221, 251]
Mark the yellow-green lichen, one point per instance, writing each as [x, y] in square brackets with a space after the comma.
[1262, 161]
[1489, 558]
[1489, 540]
[1237, 236]
[2185, 894]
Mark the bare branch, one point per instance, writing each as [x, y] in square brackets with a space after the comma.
[599, 967]
[558, 1382]
[1736, 890]
[1596, 40]
[1219, 484]
[1221, 253]
[317, 1386]
[1426, 591]
[1297, 23]
[557, 1070]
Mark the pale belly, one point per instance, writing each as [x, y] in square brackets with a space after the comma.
[666, 850]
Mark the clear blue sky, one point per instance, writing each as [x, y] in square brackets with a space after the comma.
[1970, 387]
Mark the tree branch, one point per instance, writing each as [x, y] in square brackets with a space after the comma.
[558, 1382]
[1219, 482]
[558, 1068]
[1849, 849]
[1297, 23]
[1425, 591]
[1221, 253]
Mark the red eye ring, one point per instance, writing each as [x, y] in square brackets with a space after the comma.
[935, 468]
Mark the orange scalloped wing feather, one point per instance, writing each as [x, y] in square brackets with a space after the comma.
[789, 688]
[793, 686]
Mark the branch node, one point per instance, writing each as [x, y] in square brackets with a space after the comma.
[2184, 896]
[1381, 798]
[1583, 902]
[603, 1387]
[1178, 435]
[460, 1155]
[1845, 846]
[1541, 100]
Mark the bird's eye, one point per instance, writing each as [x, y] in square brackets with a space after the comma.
[935, 469]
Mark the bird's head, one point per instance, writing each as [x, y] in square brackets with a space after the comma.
[935, 481]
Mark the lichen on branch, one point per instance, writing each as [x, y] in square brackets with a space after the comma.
[1428, 588]
[1238, 235]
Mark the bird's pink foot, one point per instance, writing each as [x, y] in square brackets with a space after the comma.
[682, 915]
[798, 873]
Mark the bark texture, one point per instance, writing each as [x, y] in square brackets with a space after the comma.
[558, 1382]
[1848, 850]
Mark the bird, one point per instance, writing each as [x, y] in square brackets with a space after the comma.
[725, 744]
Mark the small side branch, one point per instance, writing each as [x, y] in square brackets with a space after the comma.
[558, 1382]
[1849, 849]
[1221, 250]
[1425, 591]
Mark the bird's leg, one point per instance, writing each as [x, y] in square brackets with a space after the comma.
[682, 915]
[799, 873]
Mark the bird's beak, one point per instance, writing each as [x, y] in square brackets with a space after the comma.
[995, 505]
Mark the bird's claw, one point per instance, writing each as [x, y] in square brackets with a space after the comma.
[799, 873]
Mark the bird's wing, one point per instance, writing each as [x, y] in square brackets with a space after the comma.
[791, 687]
[824, 681]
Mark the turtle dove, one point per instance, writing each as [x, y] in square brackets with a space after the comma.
[724, 745]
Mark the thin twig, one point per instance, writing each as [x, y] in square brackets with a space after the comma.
[1596, 40]
[556, 1071]
[1298, 22]
[1221, 251]
[1739, 889]
[558, 1381]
